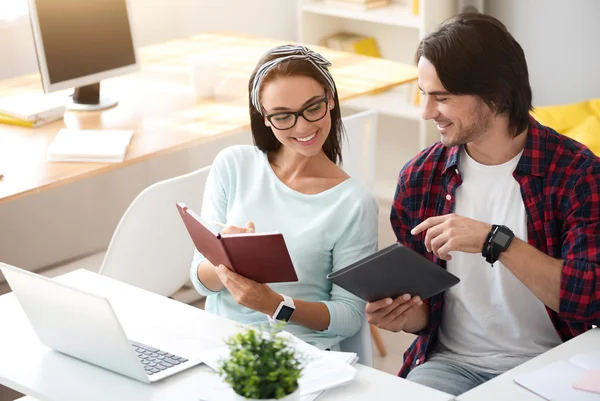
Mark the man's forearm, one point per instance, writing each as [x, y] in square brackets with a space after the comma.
[538, 271]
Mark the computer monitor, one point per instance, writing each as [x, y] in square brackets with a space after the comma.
[81, 42]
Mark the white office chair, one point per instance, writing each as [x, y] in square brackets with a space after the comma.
[360, 343]
[151, 248]
[358, 156]
[358, 148]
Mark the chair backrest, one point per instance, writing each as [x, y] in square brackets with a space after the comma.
[358, 155]
[361, 344]
[358, 148]
[151, 248]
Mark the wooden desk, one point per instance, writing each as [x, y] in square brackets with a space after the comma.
[159, 105]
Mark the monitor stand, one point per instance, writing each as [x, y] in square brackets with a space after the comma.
[88, 98]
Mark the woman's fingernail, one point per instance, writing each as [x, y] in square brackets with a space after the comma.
[388, 301]
[406, 297]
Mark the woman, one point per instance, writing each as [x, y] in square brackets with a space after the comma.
[290, 183]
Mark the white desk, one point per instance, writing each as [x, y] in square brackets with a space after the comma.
[504, 388]
[29, 367]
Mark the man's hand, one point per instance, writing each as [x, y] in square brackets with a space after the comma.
[249, 293]
[452, 232]
[401, 314]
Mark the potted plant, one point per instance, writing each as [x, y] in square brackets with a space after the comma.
[261, 366]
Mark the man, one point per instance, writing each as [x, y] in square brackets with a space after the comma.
[509, 206]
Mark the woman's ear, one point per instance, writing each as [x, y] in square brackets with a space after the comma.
[267, 123]
[330, 101]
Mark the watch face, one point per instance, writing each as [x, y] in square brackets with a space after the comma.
[501, 239]
[285, 313]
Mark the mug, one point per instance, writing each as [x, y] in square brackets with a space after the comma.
[204, 74]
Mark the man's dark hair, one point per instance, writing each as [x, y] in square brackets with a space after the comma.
[474, 54]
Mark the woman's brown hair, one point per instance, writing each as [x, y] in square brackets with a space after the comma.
[263, 136]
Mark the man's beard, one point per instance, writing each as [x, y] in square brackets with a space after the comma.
[479, 126]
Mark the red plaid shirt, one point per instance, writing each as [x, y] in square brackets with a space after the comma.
[560, 185]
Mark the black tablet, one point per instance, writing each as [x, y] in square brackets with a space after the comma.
[392, 272]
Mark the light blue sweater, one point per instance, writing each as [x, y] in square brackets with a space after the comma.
[323, 232]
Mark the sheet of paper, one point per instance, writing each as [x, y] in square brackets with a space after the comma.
[554, 382]
[587, 360]
[215, 389]
[590, 382]
[322, 370]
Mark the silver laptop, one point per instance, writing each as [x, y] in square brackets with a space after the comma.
[85, 326]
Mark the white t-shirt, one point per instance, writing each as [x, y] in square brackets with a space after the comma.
[491, 321]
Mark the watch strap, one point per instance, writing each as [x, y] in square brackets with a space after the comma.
[493, 249]
[287, 301]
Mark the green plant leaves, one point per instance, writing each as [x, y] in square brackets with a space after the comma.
[261, 365]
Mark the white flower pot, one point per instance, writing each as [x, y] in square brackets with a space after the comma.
[295, 396]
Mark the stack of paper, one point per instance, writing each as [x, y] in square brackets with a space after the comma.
[101, 146]
[32, 109]
[322, 370]
[574, 380]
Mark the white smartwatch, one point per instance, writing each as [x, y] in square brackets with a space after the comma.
[285, 310]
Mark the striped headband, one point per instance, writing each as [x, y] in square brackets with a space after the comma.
[290, 52]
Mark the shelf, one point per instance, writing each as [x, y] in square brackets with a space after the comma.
[392, 103]
[394, 14]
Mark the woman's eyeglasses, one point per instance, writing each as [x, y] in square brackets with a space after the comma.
[288, 119]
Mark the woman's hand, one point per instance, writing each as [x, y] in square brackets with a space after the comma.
[249, 293]
[247, 229]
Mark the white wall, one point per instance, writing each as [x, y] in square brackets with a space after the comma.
[561, 40]
[160, 20]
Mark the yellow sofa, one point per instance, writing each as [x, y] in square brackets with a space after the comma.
[580, 121]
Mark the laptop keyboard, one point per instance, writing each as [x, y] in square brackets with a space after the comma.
[155, 360]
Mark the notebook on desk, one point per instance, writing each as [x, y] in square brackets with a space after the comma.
[392, 272]
[96, 146]
[262, 257]
[33, 106]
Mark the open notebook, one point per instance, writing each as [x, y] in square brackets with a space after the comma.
[99, 146]
[262, 257]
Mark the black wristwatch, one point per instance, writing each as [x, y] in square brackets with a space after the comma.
[497, 241]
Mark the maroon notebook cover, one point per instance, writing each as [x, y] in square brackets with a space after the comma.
[261, 257]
